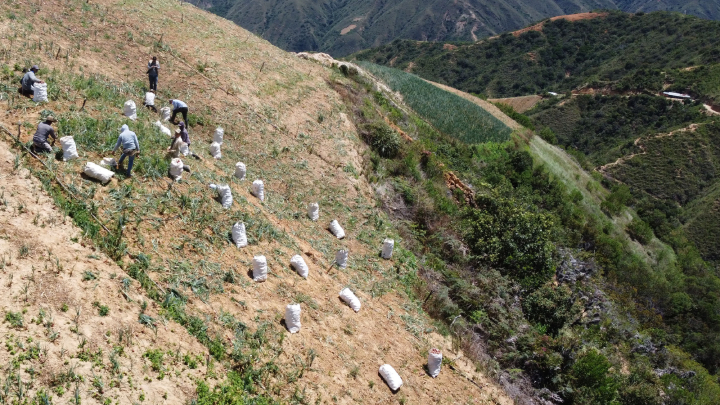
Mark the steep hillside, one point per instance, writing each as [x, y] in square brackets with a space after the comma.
[188, 289]
[563, 55]
[344, 27]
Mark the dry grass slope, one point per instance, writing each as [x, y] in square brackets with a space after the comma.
[283, 120]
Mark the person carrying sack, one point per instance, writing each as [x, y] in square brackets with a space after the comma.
[130, 148]
[178, 108]
[44, 131]
[176, 149]
[27, 81]
[186, 138]
[153, 69]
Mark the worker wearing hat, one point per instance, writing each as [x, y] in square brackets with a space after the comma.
[28, 80]
[43, 133]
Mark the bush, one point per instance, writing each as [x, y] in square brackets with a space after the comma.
[551, 307]
[640, 231]
[512, 238]
[617, 200]
[548, 135]
[382, 139]
[591, 380]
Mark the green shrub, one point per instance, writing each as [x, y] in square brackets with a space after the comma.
[617, 200]
[519, 118]
[551, 307]
[640, 231]
[548, 135]
[15, 319]
[590, 376]
[382, 139]
[502, 232]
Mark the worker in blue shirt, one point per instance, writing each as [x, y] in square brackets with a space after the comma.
[178, 108]
[130, 148]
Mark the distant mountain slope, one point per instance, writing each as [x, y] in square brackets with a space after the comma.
[563, 56]
[341, 27]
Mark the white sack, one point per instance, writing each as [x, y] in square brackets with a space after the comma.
[258, 189]
[176, 169]
[40, 92]
[98, 172]
[218, 137]
[215, 150]
[387, 249]
[130, 110]
[313, 211]
[238, 235]
[434, 362]
[391, 377]
[336, 229]
[240, 170]
[225, 194]
[184, 149]
[299, 265]
[108, 162]
[350, 299]
[165, 130]
[292, 318]
[69, 148]
[341, 258]
[259, 268]
[165, 113]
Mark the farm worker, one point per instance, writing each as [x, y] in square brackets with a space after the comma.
[152, 71]
[178, 108]
[175, 149]
[130, 148]
[28, 80]
[186, 138]
[44, 131]
[150, 100]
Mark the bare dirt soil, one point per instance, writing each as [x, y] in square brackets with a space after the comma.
[520, 104]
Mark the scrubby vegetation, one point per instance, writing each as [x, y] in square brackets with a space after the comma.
[489, 261]
[564, 55]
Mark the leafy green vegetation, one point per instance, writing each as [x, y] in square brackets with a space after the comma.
[449, 113]
[563, 56]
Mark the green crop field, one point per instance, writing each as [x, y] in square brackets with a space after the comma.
[456, 116]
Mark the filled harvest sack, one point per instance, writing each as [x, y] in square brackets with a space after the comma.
[108, 162]
[218, 137]
[69, 148]
[40, 92]
[258, 189]
[391, 377]
[238, 235]
[225, 194]
[240, 170]
[350, 299]
[184, 149]
[165, 113]
[176, 169]
[259, 268]
[292, 318]
[336, 229]
[215, 150]
[341, 258]
[165, 130]
[313, 211]
[98, 172]
[434, 362]
[387, 249]
[299, 265]
[130, 110]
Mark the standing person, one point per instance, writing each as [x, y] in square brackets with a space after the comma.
[130, 148]
[150, 100]
[153, 69]
[28, 80]
[44, 131]
[178, 108]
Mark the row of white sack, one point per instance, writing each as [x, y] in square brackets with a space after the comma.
[293, 311]
[392, 378]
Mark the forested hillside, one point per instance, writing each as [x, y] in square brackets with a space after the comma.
[621, 50]
[342, 27]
